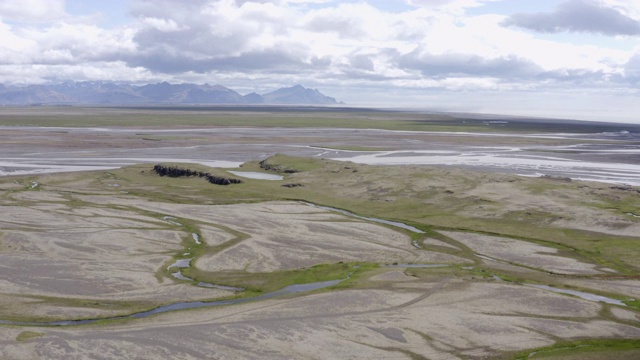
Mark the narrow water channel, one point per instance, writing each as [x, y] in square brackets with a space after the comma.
[580, 294]
[375, 220]
[185, 263]
[292, 289]
[257, 175]
[409, 266]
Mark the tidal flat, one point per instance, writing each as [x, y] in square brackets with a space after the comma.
[102, 244]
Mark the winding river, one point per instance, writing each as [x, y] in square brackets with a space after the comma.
[292, 289]
[580, 294]
[185, 263]
[375, 220]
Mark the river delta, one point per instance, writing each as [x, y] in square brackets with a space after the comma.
[411, 237]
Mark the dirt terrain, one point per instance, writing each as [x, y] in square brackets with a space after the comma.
[455, 282]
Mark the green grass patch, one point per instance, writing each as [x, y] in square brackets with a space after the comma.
[120, 307]
[586, 349]
[258, 283]
[28, 335]
[283, 116]
[290, 164]
[189, 116]
[635, 303]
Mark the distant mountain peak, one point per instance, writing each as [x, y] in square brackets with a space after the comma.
[298, 94]
[107, 92]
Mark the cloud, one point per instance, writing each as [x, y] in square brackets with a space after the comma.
[430, 3]
[342, 24]
[273, 61]
[31, 10]
[574, 77]
[218, 36]
[362, 62]
[451, 6]
[463, 65]
[163, 25]
[66, 43]
[578, 16]
[632, 70]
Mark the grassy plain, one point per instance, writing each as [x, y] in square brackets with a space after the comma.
[285, 117]
[98, 245]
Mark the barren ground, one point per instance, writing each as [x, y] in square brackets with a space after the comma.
[87, 245]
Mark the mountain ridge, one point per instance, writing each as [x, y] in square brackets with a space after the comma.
[105, 93]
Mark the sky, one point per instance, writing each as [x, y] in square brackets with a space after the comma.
[551, 58]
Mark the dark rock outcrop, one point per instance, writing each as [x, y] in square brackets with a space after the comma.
[625, 188]
[556, 178]
[276, 168]
[171, 171]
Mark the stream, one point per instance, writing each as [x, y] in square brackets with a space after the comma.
[185, 263]
[257, 175]
[291, 289]
[376, 220]
[409, 266]
[580, 294]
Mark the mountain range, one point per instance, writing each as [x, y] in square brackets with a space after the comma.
[105, 93]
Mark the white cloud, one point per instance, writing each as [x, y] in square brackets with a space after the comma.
[163, 25]
[579, 16]
[12, 44]
[451, 6]
[32, 10]
[78, 42]
[628, 8]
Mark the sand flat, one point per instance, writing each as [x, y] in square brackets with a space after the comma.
[451, 319]
[522, 252]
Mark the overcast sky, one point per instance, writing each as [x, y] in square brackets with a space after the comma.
[555, 58]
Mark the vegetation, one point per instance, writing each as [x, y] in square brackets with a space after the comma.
[280, 116]
[28, 335]
[259, 283]
[586, 349]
